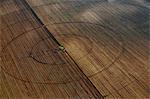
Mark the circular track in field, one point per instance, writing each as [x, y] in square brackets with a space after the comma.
[26, 69]
[77, 45]
[26, 61]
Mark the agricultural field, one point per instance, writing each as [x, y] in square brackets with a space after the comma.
[72, 49]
